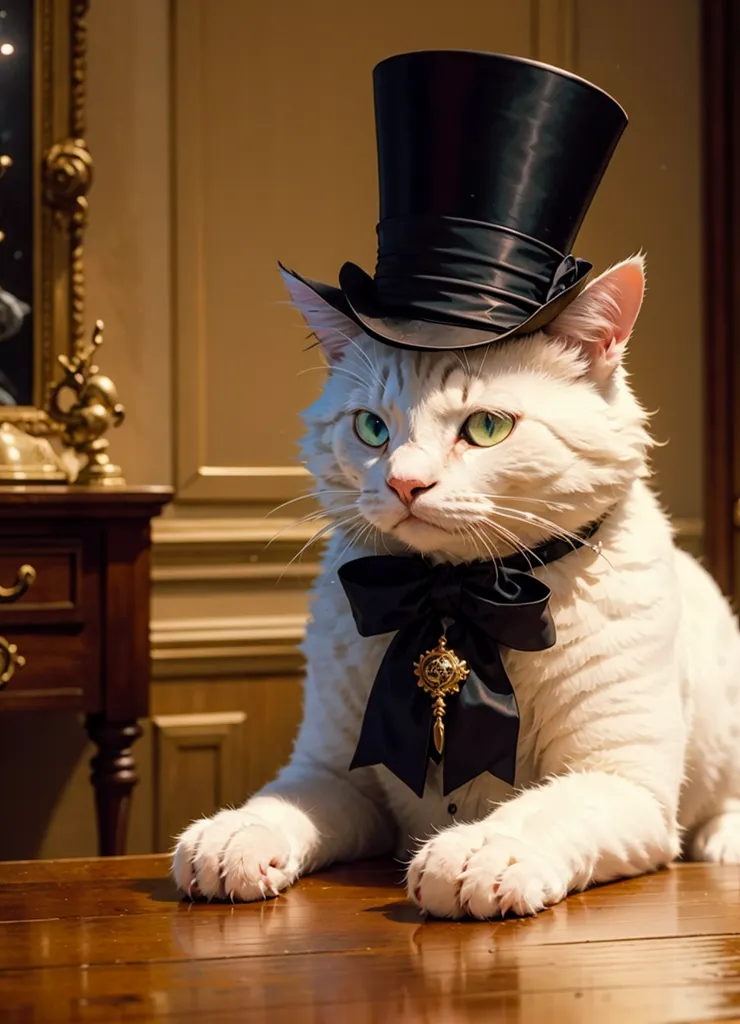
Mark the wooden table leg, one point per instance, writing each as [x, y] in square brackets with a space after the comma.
[113, 774]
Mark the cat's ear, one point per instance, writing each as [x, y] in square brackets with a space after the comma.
[601, 319]
[332, 328]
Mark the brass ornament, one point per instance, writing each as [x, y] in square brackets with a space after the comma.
[93, 412]
[10, 660]
[25, 577]
[440, 673]
[68, 172]
[25, 459]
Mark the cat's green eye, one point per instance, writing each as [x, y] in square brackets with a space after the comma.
[370, 428]
[485, 429]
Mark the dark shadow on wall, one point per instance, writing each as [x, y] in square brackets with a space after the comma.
[40, 756]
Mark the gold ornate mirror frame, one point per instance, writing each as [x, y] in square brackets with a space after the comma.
[64, 176]
[73, 401]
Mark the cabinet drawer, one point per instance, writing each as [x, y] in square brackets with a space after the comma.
[61, 670]
[55, 593]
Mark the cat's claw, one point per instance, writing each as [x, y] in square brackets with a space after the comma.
[224, 857]
[718, 840]
[470, 872]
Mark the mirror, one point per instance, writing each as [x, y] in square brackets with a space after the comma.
[45, 172]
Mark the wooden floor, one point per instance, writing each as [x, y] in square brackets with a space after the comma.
[110, 941]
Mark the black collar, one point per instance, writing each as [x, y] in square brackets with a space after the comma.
[554, 549]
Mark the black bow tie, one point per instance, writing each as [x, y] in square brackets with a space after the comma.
[442, 684]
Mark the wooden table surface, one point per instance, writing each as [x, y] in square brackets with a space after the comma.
[109, 940]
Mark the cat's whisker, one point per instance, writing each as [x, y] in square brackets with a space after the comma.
[476, 540]
[311, 517]
[465, 370]
[332, 370]
[317, 514]
[496, 556]
[493, 553]
[556, 506]
[294, 524]
[317, 536]
[351, 375]
[509, 537]
[371, 366]
[556, 531]
[351, 529]
[515, 538]
[355, 535]
[530, 519]
[382, 537]
[459, 529]
[466, 529]
[375, 539]
[483, 363]
[309, 494]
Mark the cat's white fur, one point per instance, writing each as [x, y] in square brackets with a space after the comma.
[630, 725]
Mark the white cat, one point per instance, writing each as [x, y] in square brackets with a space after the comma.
[630, 725]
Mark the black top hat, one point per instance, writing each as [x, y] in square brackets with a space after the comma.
[487, 166]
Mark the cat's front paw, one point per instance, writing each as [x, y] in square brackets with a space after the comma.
[471, 871]
[234, 856]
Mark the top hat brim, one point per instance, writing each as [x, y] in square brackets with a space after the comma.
[356, 299]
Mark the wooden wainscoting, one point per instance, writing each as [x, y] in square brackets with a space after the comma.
[215, 742]
[197, 765]
[229, 614]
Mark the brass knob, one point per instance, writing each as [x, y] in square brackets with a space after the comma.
[25, 576]
[10, 660]
[6, 162]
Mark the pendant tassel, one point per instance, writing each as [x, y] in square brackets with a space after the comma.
[439, 726]
[440, 673]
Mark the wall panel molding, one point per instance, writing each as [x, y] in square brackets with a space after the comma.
[210, 558]
[222, 550]
[215, 647]
[195, 479]
[198, 761]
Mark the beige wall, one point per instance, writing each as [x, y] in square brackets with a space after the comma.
[647, 54]
[128, 247]
[236, 133]
[274, 158]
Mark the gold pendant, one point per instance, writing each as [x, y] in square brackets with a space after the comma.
[440, 673]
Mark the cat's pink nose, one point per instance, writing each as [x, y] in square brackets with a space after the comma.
[408, 490]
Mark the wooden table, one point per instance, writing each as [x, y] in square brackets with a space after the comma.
[74, 622]
[109, 940]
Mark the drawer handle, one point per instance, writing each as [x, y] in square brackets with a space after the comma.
[10, 660]
[25, 576]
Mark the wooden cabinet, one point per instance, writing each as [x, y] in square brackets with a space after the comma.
[74, 622]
